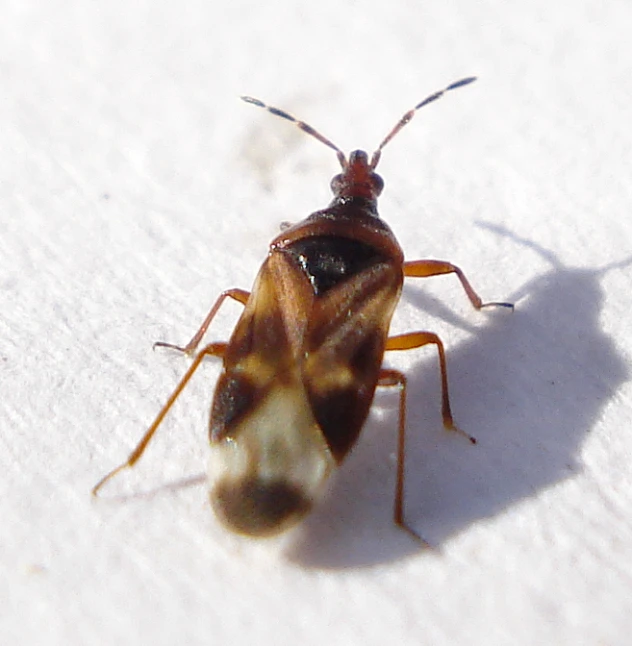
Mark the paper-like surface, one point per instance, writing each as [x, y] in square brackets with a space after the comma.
[135, 187]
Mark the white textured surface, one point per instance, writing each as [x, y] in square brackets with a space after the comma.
[134, 187]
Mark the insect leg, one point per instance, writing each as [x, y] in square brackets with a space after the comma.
[240, 295]
[417, 340]
[390, 378]
[426, 268]
[214, 349]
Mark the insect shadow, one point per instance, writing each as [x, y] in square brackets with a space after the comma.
[530, 386]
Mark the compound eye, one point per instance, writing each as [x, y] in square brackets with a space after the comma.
[337, 184]
[378, 184]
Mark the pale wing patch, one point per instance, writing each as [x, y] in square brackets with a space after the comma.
[257, 369]
[279, 441]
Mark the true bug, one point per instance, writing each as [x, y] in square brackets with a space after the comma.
[301, 367]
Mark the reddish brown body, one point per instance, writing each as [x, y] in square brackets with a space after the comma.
[310, 344]
[302, 365]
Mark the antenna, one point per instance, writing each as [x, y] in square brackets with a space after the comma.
[376, 155]
[411, 113]
[301, 124]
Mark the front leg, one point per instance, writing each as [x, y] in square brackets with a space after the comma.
[427, 268]
[240, 295]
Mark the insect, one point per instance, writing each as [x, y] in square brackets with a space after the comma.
[302, 365]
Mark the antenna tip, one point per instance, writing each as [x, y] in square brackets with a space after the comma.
[462, 82]
[249, 99]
